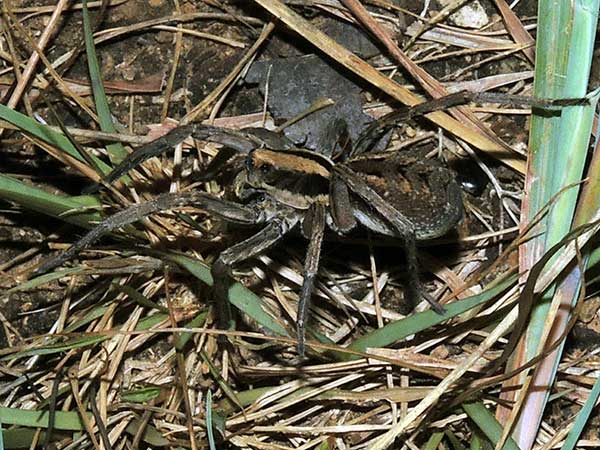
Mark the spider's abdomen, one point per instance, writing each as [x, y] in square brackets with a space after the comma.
[422, 190]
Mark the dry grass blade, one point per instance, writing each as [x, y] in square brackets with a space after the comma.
[429, 83]
[57, 11]
[516, 29]
[413, 417]
[36, 56]
[214, 95]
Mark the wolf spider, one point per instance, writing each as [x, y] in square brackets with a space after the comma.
[282, 187]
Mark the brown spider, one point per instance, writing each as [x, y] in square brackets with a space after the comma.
[281, 188]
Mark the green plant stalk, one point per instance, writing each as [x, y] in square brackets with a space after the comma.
[557, 161]
[551, 65]
[567, 293]
[560, 218]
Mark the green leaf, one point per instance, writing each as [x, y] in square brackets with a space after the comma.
[64, 420]
[142, 395]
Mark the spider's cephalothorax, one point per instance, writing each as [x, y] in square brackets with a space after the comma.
[280, 187]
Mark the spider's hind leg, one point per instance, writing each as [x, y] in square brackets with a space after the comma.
[401, 226]
[315, 224]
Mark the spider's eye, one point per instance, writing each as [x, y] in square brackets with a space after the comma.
[265, 169]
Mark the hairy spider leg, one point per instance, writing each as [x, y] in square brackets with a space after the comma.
[403, 226]
[339, 143]
[238, 140]
[141, 154]
[227, 210]
[247, 140]
[316, 231]
[369, 137]
[253, 214]
[376, 129]
[276, 228]
[340, 205]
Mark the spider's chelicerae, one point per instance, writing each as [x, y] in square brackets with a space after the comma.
[281, 187]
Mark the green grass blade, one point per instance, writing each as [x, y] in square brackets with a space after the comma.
[550, 72]
[582, 417]
[43, 279]
[558, 152]
[433, 441]
[239, 296]
[184, 337]
[64, 420]
[209, 425]
[85, 341]
[46, 134]
[454, 441]
[227, 389]
[245, 398]
[400, 329]
[61, 207]
[116, 151]
[488, 424]
[151, 435]
[142, 395]
[563, 156]
[560, 219]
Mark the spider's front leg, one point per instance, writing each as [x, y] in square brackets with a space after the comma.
[229, 211]
[379, 127]
[141, 154]
[242, 141]
[277, 227]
